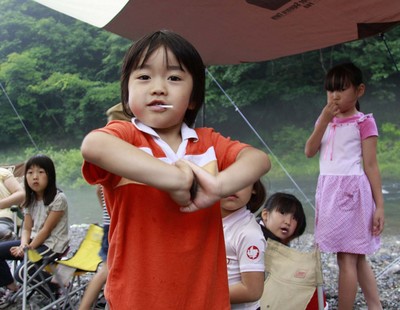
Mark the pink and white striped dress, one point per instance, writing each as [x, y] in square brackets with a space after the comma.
[344, 201]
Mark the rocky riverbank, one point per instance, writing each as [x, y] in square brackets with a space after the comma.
[385, 263]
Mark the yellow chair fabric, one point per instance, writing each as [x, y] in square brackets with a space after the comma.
[87, 258]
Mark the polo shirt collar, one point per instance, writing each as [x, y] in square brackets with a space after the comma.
[186, 132]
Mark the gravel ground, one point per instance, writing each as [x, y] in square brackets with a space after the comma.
[385, 263]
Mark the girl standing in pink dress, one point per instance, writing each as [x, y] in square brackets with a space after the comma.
[349, 203]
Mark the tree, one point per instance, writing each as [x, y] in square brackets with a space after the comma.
[61, 75]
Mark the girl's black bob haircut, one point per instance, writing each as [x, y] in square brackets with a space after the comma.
[50, 192]
[287, 203]
[258, 197]
[185, 53]
[343, 76]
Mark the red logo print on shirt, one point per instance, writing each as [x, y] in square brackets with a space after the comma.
[253, 252]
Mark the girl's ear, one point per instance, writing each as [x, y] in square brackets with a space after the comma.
[361, 90]
[264, 216]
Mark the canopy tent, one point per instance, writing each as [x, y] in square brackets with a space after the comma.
[232, 32]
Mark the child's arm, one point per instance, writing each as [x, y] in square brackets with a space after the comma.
[371, 169]
[314, 141]
[99, 195]
[51, 221]
[17, 193]
[121, 158]
[18, 251]
[249, 289]
[250, 165]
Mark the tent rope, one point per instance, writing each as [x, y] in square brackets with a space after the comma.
[383, 37]
[280, 164]
[261, 139]
[387, 268]
[19, 117]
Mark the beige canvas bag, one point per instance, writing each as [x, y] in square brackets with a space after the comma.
[292, 277]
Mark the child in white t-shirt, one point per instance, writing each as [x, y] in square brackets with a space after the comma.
[245, 246]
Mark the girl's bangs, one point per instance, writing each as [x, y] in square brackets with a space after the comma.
[337, 82]
[37, 161]
[290, 208]
[151, 48]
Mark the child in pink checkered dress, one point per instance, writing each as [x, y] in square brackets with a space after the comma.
[349, 203]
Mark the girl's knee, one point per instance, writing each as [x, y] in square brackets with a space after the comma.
[361, 259]
[347, 260]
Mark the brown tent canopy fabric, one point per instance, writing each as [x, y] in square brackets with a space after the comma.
[232, 31]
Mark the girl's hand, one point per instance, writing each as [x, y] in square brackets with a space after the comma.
[329, 111]
[182, 195]
[313, 143]
[17, 251]
[207, 189]
[378, 222]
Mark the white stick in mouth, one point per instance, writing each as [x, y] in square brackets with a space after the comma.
[167, 106]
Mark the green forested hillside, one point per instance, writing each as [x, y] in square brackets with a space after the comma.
[58, 76]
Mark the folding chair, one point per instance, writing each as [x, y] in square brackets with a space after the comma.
[65, 272]
[39, 280]
[68, 272]
[293, 277]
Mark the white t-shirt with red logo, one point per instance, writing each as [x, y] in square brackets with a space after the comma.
[245, 248]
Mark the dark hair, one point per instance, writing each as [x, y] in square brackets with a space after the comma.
[343, 76]
[287, 203]
[185, 53]
[50, 192]
[257, 199]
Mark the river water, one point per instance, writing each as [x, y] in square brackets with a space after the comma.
[84, 207]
